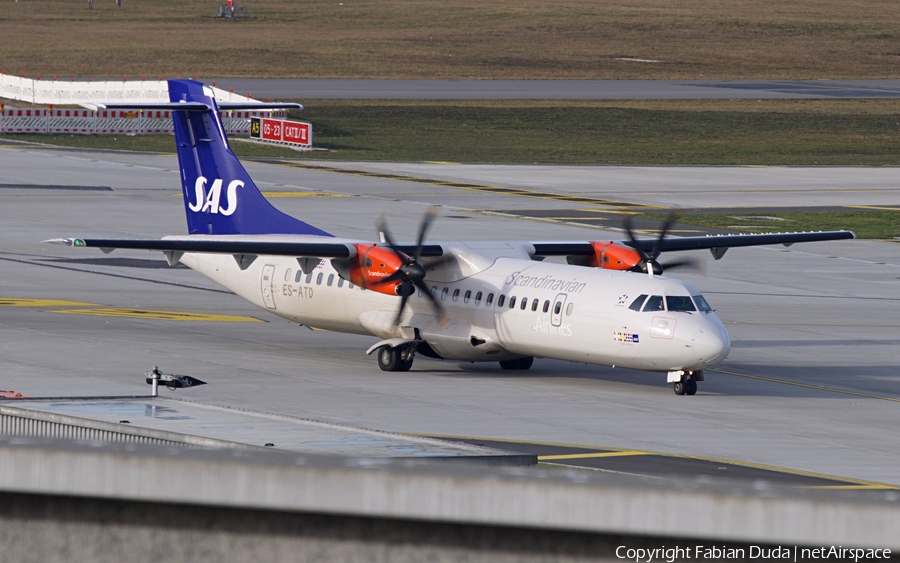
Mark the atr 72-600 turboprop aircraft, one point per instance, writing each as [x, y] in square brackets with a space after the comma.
[484, 302]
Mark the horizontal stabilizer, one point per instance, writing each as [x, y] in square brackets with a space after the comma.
[192, 106]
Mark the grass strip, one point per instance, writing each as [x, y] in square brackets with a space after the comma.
[867, 224]
[683, 133]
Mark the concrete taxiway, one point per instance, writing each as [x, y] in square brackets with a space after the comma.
[812, 384]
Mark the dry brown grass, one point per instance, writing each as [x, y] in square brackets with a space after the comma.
[459, 39]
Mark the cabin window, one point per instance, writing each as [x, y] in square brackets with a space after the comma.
[546, 306]
[524, 303]
[702, 305]
[319, 278]
[330, 279]
[512, 302]
[419, 294]
[534, 305]
[637, 303]
[478, 299]
[456, 295]
[340, 282]
[287, 275]
[467, 296]
[434, 291]
[557, 308]
[654, 304]
[309, 277]
[569, 308]
[444, 293]
[298, 276]
[679, 303]
[499, 301]
[349, 285]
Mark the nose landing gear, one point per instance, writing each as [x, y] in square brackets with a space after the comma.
[686, 387]
[685, 382]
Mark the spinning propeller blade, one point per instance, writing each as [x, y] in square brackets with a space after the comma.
[411, 273]
[648, 262]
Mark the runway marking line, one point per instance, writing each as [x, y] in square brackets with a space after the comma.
[861, 483]
[21, 302]
[808, 385]
[471, 186]
[158, 315]
[301, 194]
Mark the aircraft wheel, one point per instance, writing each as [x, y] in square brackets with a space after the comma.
[389, 359]
[691, 387]
[404, 365]
[679, 387]
[521, 363]
[525, 363]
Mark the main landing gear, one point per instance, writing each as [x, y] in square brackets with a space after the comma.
[688, 383]
[521, 363]
[399, 358]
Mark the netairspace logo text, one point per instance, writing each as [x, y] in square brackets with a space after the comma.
[672, 554]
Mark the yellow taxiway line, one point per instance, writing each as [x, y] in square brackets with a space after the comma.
[158, 315]
[592, 455]
[96, 309]
[851, 483]
[809, 385]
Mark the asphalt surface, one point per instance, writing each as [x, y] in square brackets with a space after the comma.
[811, 385]
[309, 88]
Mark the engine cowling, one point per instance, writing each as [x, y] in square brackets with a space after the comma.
[373, 264]
[611, 255]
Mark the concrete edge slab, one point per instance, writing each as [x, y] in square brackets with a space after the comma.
[421, 490]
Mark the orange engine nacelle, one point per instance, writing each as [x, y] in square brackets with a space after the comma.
[613, 256]
[373, 264]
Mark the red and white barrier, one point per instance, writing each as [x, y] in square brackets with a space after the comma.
[87, 122]
[61, 92]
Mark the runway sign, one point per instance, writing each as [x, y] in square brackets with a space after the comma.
[281, 131]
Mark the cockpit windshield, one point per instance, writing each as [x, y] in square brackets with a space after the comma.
[679, 303]
[655, 303]
[702, 305]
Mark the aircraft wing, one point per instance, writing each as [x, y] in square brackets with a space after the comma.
[269, 248]
[237, 247]
[718, 244]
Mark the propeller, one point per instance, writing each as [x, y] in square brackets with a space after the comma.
[648, 262]
[411, 273]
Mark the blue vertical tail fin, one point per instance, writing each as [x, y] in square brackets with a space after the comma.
[219, 196]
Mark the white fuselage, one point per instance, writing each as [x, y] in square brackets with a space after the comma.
[570, 312]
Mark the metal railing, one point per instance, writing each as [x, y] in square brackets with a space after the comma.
[15, 421]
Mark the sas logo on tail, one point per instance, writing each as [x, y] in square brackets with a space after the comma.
[210, 201]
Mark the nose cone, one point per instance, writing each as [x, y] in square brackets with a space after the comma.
[711, 344]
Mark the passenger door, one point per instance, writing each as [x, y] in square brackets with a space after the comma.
[267, 285]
